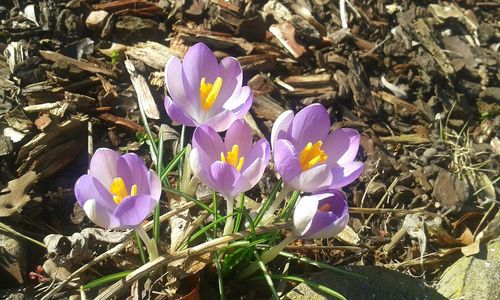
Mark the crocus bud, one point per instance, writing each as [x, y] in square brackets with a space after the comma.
[320, 215]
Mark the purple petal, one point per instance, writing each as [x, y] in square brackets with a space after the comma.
[132, 170]
[315, 179]
[239, 133]
[154, 185]
[241, 104]
[88, 187]
[103, 166]
[200, 165]
[133, 210]
[341, 146]
[208, 141]
[260, 149]
[286, 160]
[221, 121]
[99, 214]
[256, 162]
[253, 173]
[242, 185]
[346, 174]
[199, 62]
[225, 177]
[310, 125]
[177, 114]
[179, 88]
[281, 127]
[232, 78]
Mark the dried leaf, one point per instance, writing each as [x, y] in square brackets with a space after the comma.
[14, 197]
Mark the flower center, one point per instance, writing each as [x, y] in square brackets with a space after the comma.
[209, 92]
[312, 155]
[325, 207]
[233, 157]
[119, 190]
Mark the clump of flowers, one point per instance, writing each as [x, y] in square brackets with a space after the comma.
[314, 162]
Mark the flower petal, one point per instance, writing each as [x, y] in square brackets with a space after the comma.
[99, 214]
[225, 177]
[200, 165]
[341, 146]
[132, 170]
[310, 124]
[253, 173]
[133, 210]
[103, 166]
[207, 140]
[177, 114]
[232, 78]
[239, 102]
[221, 121]
[199, 62]
[304, 211]
[260, 149]
[286, 160]
[315, 179]
[346, 174]
[154, 185]
[239, 134]
[281, 127]
[179, 88]
[88, 187]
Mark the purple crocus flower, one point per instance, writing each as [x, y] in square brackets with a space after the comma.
[118, 192]
[310, 158]
[205, 92]
[231, 166]
[320, 215]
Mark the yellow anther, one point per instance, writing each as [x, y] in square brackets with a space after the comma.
[233, 157]
[209, 92]
[311, 155]
[119, 190]
[133, 190]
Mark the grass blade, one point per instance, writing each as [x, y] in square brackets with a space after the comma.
[321, 265]
[268, 202]
[237, 223]
[141, 248]
[106, 279]
[267, 277]
[310, 283]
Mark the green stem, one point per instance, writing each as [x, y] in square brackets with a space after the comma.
[181, 161]
[141, 250]
[150, 244]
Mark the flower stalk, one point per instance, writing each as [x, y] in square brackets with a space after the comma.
[150, 244]
[228, 228]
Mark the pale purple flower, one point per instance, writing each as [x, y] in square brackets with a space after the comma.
[231, 166]
[205, 92]
[118, 192]
[320, 215]
[310, 158]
